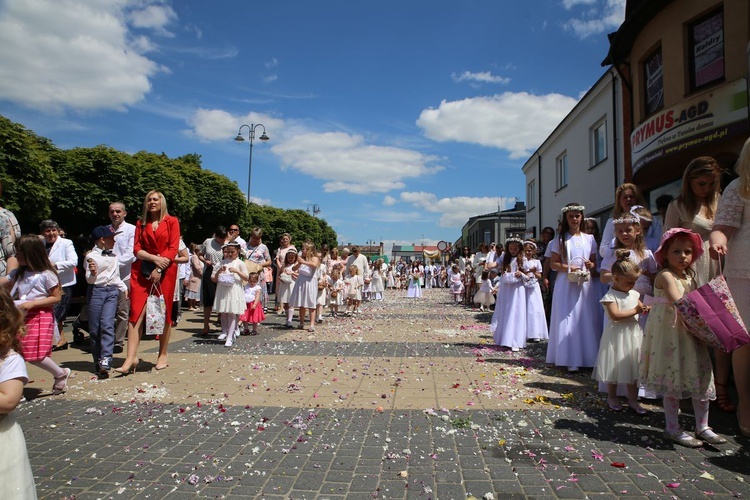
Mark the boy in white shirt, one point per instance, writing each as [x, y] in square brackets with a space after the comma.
[103, 276]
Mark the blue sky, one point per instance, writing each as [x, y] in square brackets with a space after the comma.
[399, 120]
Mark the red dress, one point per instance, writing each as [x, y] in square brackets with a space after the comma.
[163, 242]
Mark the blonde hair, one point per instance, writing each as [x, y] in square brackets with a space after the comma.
[639, 245]
[162, 213]
[618, 211]
[309, 248]
[742, 167]
[625, 267]
[354, 270]
[703, 166]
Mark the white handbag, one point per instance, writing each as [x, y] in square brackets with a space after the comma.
[581, 275]
[156, 311]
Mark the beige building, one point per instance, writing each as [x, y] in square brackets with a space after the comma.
[684, 71]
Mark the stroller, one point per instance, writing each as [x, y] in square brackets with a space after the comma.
[81, 326]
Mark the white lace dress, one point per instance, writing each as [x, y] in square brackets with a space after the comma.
[731, 212]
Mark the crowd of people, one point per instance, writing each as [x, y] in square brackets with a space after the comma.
[601, 301]
[609, 297]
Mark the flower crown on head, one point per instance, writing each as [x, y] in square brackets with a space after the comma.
[634, 212]
[630, 218]
[574, 208]
[529, 242]
[514, 240]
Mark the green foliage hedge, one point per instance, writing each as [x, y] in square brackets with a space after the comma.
[75, 187]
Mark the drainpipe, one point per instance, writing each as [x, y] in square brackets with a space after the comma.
[539, 178]
[614, 127]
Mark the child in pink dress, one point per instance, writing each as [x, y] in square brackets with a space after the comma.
[457, 285]
[254, 311]
[35, 288]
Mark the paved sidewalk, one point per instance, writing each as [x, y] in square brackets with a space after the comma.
[407, 400]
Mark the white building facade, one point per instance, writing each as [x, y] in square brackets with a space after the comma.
[581, 160]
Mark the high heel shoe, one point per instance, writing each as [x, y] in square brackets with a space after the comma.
[744, 430]
[723, 400]
[130, 369]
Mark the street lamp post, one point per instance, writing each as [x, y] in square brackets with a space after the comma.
[313, 209]
[251, 136]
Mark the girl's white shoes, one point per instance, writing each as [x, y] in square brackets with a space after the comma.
[228, 338]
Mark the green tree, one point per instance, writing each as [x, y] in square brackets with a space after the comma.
[26, 174]
[88, 180]
[75, 187]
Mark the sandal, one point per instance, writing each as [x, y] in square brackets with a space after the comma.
[710, 437]
[684, 439]
[614, 404]
[61, 382]
[722, 398]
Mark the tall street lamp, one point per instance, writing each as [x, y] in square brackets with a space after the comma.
[313, 209]
[251, 136]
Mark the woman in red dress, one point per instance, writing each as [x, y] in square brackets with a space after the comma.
[157, 238]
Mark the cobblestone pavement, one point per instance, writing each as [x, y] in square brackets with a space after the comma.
[407, 400]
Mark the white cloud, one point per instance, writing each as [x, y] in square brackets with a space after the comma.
[344, 162]
[516, 122]
[260, 201]
[218, 125]
[482, 77]
[455, 211]
[389, 201]
[600, 16]
[569, 4]
[154, 17]
[347, 163]
[58, 54]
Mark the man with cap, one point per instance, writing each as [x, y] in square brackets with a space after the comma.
[103, 276]
[123, 249]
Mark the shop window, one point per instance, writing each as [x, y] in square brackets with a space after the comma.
[706, 46]
[653, 73]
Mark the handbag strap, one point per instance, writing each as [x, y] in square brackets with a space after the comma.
[156, 287]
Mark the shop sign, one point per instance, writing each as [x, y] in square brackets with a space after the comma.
[694, 122]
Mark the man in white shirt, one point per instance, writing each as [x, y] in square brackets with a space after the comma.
[358, 260]
[233, 234]
[123, 249]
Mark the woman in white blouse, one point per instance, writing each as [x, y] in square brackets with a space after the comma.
[64, 258]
